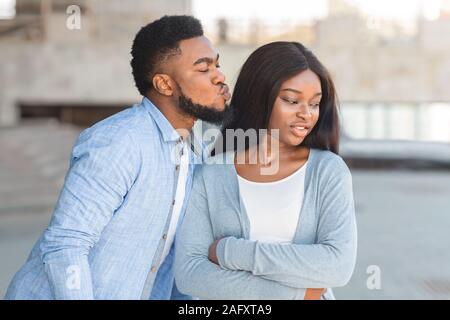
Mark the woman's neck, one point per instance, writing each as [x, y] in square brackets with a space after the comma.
[271, 150]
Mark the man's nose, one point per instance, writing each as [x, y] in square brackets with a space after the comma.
[219, 77]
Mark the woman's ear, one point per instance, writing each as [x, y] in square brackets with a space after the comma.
[163, 84]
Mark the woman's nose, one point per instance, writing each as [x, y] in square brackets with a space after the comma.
[303, 110]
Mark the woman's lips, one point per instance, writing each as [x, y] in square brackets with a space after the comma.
[299, 131]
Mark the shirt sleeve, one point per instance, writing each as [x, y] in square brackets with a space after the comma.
[104, 165]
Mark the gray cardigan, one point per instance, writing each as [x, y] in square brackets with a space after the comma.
[322, 255]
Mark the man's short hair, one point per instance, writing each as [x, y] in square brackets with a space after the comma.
[157, 41]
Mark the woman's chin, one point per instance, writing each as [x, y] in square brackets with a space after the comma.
[295, 141]
[292, 141]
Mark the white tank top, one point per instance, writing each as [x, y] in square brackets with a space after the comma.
[273, 208]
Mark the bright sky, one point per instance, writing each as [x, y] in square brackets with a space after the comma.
[264, 9]
[7, 9]
[303, 10]
[306, 10]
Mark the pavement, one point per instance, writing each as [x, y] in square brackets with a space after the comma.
[403, 214]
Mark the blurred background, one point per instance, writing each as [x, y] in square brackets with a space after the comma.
[390, 60]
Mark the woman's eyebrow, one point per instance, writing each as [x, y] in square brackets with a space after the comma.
[299, 92]
[208, 60]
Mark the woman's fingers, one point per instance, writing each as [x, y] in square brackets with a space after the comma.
[314, 293]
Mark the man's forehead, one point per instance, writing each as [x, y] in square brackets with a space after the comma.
[197, 48]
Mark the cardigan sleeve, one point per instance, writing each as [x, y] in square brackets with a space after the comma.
[197, 276]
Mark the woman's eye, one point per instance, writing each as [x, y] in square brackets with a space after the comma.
[290, 101]
[315, 106]
[218, 66]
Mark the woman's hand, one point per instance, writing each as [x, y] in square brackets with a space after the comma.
[212, 253]
[311, 293]
[314, 294]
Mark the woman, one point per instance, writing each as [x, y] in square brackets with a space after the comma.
[290, 234]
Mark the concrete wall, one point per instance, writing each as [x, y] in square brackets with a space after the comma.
[90, 65]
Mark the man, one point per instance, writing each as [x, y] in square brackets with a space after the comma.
[112, 231]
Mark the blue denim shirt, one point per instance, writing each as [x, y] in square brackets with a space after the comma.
[106, 236]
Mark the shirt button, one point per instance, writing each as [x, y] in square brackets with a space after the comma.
[173, 202]
[164, 236]
[153, 269]
[177, 167]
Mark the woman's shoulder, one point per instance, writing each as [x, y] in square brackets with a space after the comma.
[325, 155]
[216, 165]
[329, 162]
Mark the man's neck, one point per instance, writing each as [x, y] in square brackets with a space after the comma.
[182, 123]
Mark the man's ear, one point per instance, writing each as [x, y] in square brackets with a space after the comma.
[163, 84]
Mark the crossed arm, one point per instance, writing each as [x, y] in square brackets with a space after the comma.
[197, 276]
[245, 265]
[310, 294]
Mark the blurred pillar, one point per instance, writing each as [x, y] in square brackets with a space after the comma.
[46, 10]
[9, 114]
[255, 29]
[222, 26]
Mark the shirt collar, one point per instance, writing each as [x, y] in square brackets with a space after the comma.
[168, 132]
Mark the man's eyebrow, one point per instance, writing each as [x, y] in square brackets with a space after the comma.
[208, 60]
[299, 92]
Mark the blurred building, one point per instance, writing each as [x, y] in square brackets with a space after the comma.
[83, 75]
[370, 60]
[49, 69]
[392, 80]
[370, 65]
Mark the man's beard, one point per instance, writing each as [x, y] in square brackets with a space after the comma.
[202, 112]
